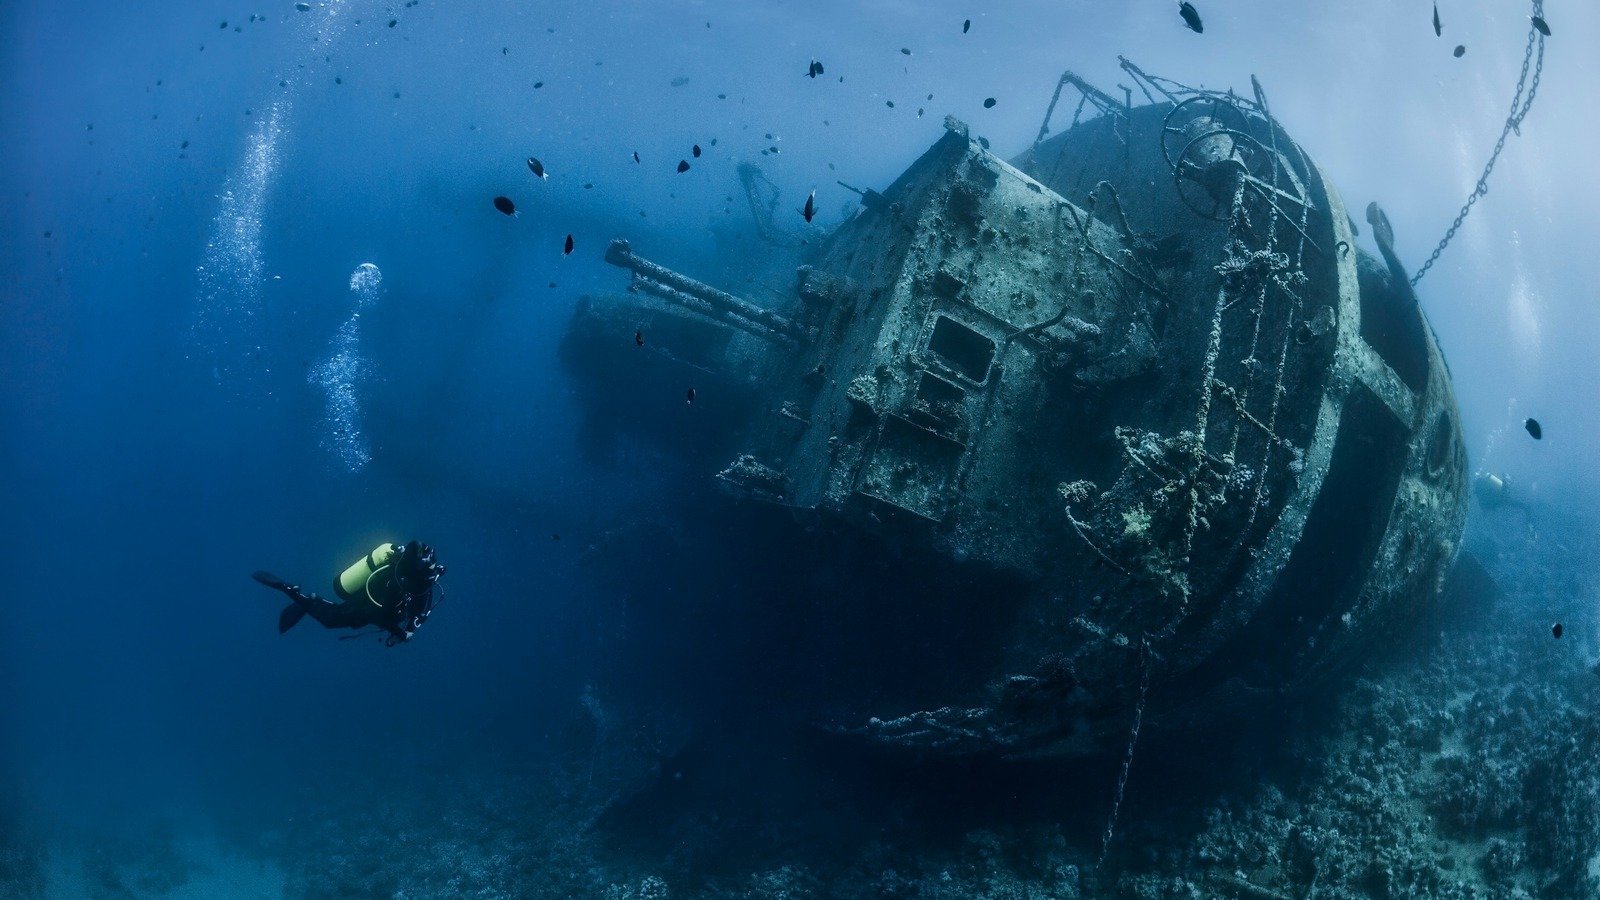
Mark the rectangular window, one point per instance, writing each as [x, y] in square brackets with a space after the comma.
[965, 351]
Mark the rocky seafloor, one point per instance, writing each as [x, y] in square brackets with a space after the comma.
[1465, 765]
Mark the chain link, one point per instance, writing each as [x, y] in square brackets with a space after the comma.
[1127, 759]
[1519, 109]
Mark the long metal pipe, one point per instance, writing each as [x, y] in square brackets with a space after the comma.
[674, 286]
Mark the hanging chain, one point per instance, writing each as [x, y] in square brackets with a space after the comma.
[1519, 109]
[1127, 758]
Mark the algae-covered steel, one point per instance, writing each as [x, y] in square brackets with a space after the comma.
[1142, 370]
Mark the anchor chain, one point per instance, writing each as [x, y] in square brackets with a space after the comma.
[1127, 759]
[1519, 109]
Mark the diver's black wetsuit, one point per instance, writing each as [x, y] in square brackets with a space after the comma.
[398, 602]
[348, 614]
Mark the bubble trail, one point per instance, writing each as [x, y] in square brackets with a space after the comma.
[232, 268]
[341, 374]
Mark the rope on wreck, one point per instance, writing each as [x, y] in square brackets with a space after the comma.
[1520, 105]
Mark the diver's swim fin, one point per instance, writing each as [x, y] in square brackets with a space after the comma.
[290, 617]
[270, 580]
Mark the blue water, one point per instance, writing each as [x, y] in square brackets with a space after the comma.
[199, 375]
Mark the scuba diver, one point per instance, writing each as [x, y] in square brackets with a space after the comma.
[1495, 490]
[1498, 494]
[391, 587]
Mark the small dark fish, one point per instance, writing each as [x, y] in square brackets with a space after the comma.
[683, 166]
[1438, 27]
[537, 85]
[536, 167]
[989, 103]
[1191, 18]
[303, 7]
[505, 205]
[890, 102]
[811, 206]
[906, 51]
[1555, 631]
[638, 338]
[1535, 430]
[1539, 23]
[688, 396]
[1460, 51]
[635, 156]
[695, 151]
[966, 26]
[393, 22]
[814, 69]
[566, 249]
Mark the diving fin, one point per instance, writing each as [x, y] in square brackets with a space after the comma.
[270, 580]
[290, 617]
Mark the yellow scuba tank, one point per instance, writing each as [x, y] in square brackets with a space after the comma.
[352, 582]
